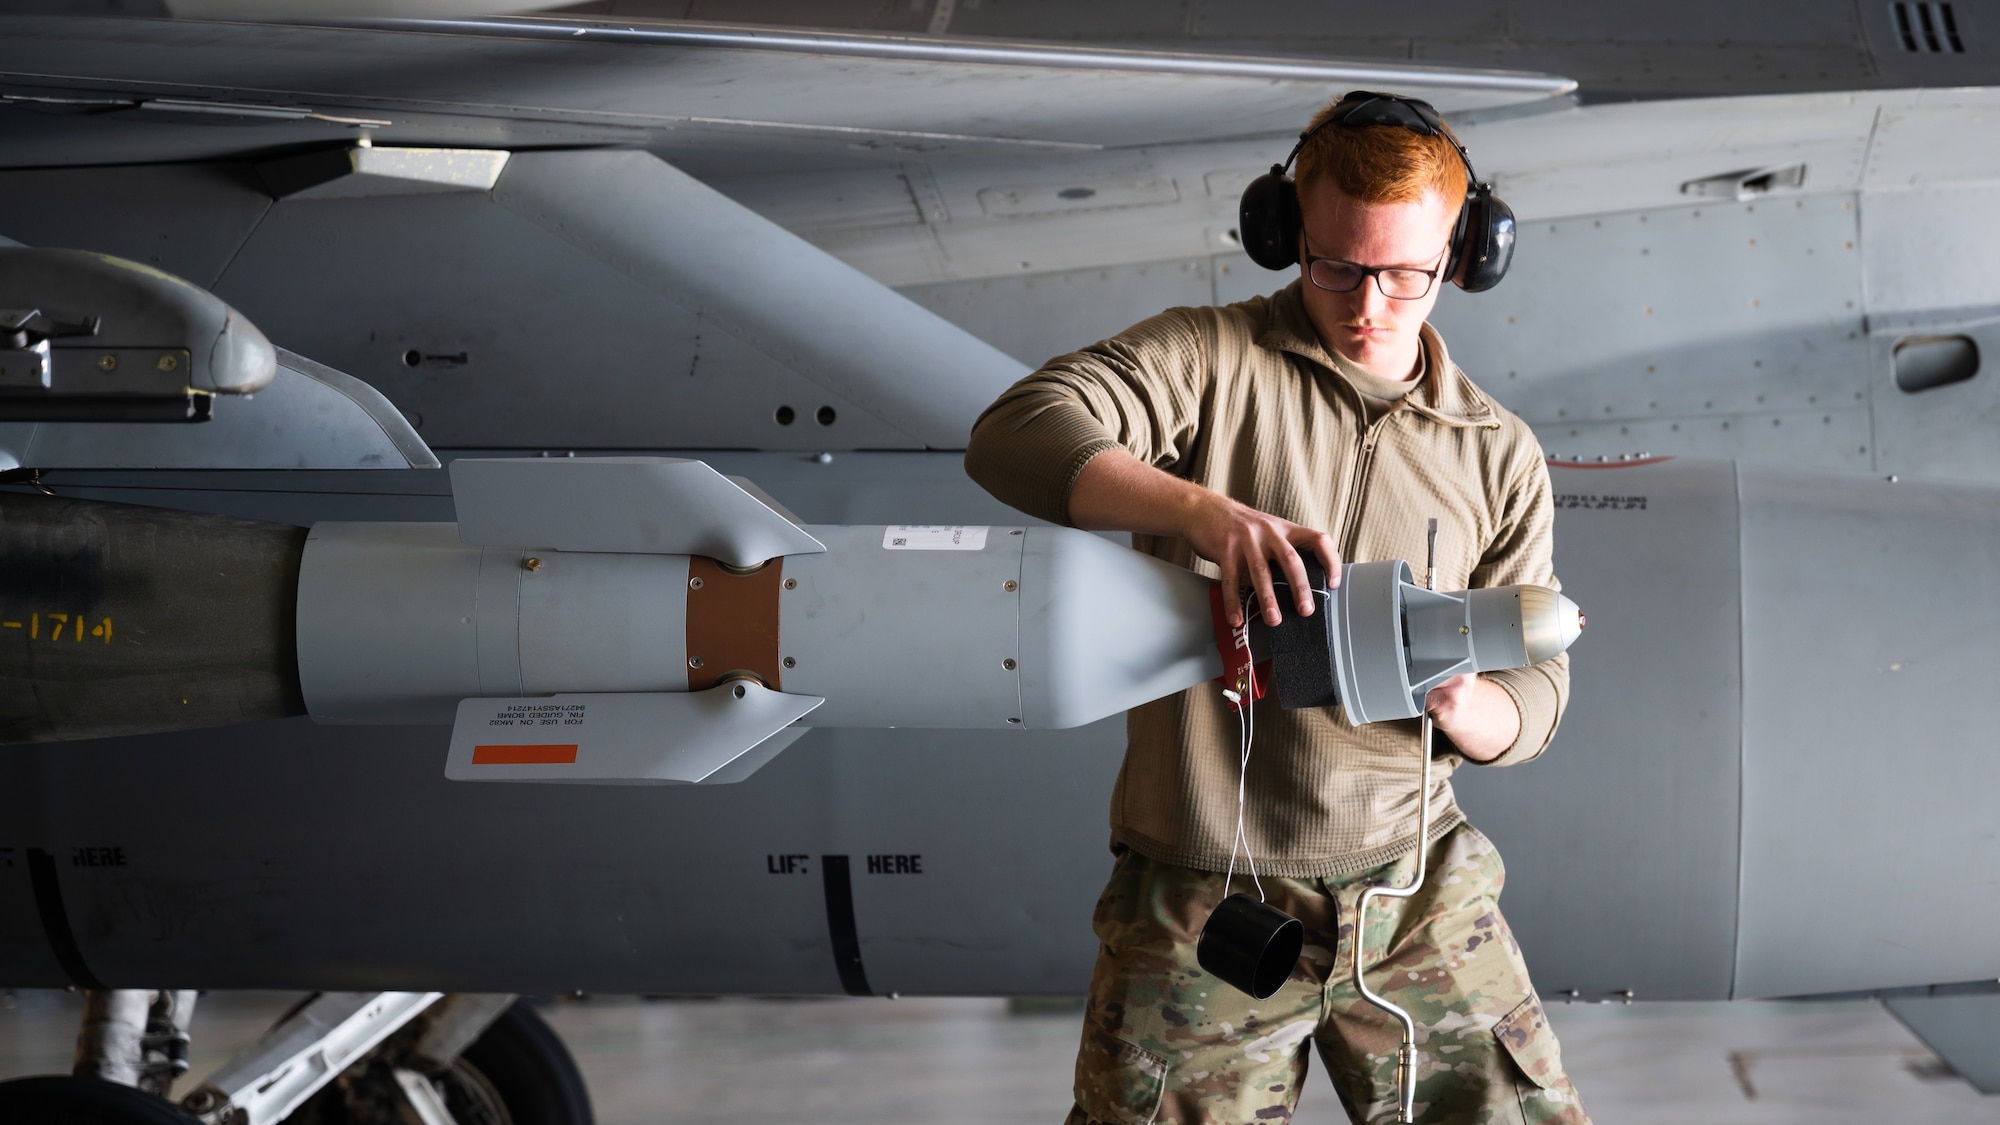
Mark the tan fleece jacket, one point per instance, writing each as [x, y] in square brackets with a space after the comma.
[1244, 400]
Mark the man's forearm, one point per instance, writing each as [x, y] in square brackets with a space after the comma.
[1118, 492]
[1478, 716]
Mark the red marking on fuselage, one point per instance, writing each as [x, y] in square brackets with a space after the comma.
[564, 755]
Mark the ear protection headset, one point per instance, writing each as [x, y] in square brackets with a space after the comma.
[1482, 240]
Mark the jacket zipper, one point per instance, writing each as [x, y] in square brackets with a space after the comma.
[1363, 461]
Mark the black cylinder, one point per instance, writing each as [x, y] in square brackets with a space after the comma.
[116, 619]
[1250, 945]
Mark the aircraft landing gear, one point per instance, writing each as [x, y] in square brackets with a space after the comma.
[531, 1070]
[517, 1072]
[339, 1058]
[62, 1099]
[131, 1047]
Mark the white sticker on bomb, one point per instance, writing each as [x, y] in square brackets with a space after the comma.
[929, 537]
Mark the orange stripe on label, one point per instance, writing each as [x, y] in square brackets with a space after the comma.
[524, 755]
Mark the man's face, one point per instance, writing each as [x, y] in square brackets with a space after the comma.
[1377, 332]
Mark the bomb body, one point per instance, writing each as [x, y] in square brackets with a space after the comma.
[647, 620]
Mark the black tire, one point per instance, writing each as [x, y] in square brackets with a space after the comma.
[531, 1070]
[58, 1099]
[516, 1073]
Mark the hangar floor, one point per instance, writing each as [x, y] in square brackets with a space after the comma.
[984, 1062]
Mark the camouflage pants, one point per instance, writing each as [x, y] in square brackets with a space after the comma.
[1165, 1042]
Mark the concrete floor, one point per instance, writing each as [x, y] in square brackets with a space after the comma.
[980, 1062]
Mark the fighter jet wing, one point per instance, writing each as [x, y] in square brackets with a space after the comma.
[526, 81]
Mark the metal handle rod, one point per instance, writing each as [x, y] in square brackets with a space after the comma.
[1406, 1057]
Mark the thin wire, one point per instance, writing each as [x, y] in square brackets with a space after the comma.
[1242, 776]
[1246, 735]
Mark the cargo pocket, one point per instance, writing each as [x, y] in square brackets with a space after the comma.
[1544, 1090]
[1117, 1082]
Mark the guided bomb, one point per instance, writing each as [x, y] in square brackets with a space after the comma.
[636, 620]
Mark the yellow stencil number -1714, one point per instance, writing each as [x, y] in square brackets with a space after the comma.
[61, 626]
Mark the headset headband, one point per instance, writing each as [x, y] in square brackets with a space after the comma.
[1370, 108]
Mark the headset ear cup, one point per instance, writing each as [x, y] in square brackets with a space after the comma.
[1459, 235]
[1267, 220]
[1488, 246]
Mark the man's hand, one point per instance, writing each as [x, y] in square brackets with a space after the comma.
[1478, 715]
[1118, 492]
[1244, 542]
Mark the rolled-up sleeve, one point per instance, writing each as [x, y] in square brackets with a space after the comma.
[1522, 552]
[1140, 391]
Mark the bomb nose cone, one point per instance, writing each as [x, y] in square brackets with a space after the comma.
[1550, 622]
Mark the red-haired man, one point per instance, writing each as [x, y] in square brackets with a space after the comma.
[1326, 419]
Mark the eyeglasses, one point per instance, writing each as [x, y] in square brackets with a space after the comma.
[1400, 283]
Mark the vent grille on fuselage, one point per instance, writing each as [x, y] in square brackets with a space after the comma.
[1926, 27]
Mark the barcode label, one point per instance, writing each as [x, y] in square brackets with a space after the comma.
[933, 538]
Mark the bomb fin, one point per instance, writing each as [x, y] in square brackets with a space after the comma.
[619, 505]
[629, 738]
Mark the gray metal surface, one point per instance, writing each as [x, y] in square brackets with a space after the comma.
[745, 276]
[1374, 679]
[1504, 633]
[1705, 48]
[646, 505]
[137, 307]
[389, 624]
[953, 797]
[1715, 329]
[332, 434]
[598, 622]
[894, 626]
[1754, 348]
[1961, 1028]
[1615, 52]
[633, 883]
[914, 638]
[1622, 843]
[755, 758]
[1466, 84]
[1622, 840]
[1104, 628]
[1869, 752]
[632, 738]
[1393, 640]
[399, 622]
[1926, 270]
[310, 417]
[414, 75]
[186, 219]
[492, 332]
[1033, 316]
[502, 605]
